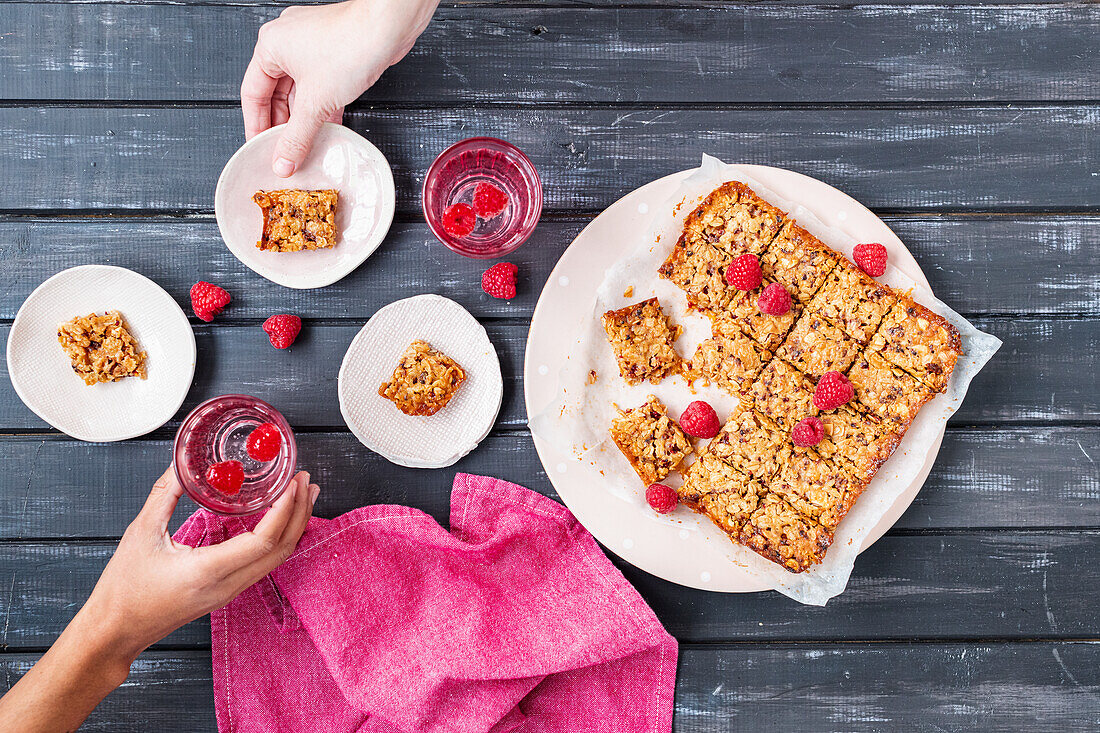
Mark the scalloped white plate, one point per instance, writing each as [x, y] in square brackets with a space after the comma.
[340, 159]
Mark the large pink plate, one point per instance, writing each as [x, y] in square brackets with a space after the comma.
[699, 559]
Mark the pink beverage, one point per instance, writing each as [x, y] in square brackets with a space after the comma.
[454, 175]
[216, 431]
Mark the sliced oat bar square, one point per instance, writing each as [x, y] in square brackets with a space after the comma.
[700, 271]
[101, 348]
[783, 394]
[752, 444]
[641, 336]
[852, 301]
[857, 441]
[817, 488]
[734, 220]
[799, 261]
[721, 492]
[782, 534]
[744, 314]
[424, 381]
[729, 361]
[651, 440]
[816, 346]
[887, 391]
[919, 341]
[296, 220]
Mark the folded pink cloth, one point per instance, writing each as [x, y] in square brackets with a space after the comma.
[384, 622]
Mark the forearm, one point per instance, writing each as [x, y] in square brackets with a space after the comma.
[86, 663]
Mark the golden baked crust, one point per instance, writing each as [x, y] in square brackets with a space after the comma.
[783, 394]
[856, 440]
[919, 341]
[799, 261]
[718, 490]
[886, 390]
[651, 440]
[729, 361]
[752, 444]
[817, 488]
[852, 301]
[815, 346]
[734, 220]
[641, 336]
[700, 271]
[779, 532]
[295, 220]
[424, 381]
[101, 348]
[744, 314]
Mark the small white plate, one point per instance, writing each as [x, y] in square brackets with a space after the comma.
[42, 374]
[437, 440]
[340, 159]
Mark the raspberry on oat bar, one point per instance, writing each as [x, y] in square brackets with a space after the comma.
[743, 313]
[817, 488]
[886, 390]
[101, 348]
[651, 440]
[424, 381]
[721, 492]
[799, 261]
[641, 336]
[852, 301]
[783, 394]
[919, 341]
[856, 440]
[699, 270]
[729, 361]
[752, 444]
[780, 533]
[816, 346]
[734, 220]
[296, 220]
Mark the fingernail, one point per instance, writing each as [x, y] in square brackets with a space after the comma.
[283, 167]
[314, 494]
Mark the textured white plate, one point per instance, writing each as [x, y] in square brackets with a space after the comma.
[660, 547]
[420, 442]
[340, 159]
[42, 374]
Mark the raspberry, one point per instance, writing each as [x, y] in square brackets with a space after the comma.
[282, 330]
[489, 200]
[499, 280]
[809, 431]
[871, 258]
[208, 300]
[744, 273]
[774, 300]
[700, 420]
[264, 442]
[226, 476]
[662, 498]
[459, 220]
[833, 390]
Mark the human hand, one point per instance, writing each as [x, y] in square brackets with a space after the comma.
[153, 585]
[312, 61]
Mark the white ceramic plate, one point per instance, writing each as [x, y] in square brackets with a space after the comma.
[420, 442]
[661, 547]
[42, 374]
[340, 159]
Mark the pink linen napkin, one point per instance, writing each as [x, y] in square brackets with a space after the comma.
[384, 622]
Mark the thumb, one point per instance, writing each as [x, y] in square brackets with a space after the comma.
[161, 502]
[297, 138]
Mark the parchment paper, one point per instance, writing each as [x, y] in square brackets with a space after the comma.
[578, 422]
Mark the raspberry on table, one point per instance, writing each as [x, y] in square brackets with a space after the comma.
[833, 390]
[808, 432]
[700, 420]
[282, 330]
[263, 443]
[662, 498]
[459, 220]
[745, 273]
[208, 300]
[499, 280]
[489, 201]
[774, 300]
[871, 258]
[226, 476]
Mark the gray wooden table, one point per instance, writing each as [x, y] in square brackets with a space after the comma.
[971, 129]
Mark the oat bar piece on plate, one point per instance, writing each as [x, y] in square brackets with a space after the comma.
[784, 394]
[743, 314]
[101, 348]
[887, 391]
[817, 488]
[651, 440]
[641, 336]
[734, 220]
[718, 490]
[424, 381]
[816, 346]
[919, 341]
[752, 444]
[296, 220]
[779, 532]
[856, 440]
[852, 301]
[798, 261]
[700, 271]
[729, 361]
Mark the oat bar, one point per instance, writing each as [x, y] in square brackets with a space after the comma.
[296, 220]
[744, 314]
[424, 381]
[852, 301]
[734, 220]
[779, 532]
[716, 489]
[783, 394]
[641, 336]
[816, 346]
[799, 261]
[700, 271]
[651, 440]
[817, 488]
[856, 440]
[729, 361]
[101, 348]
[919, 341]
[752, 444]
[886, 390]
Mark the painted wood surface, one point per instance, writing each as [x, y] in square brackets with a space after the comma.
[747, 54]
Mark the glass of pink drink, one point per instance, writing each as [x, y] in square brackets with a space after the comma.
[217, 431]
[454, 175]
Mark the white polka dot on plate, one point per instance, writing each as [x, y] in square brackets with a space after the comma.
[842, 215]
[704, 576]
[544, 370]
[643, 208]
[561, 468]
[684, 534]
[563, 281]
[628, 543]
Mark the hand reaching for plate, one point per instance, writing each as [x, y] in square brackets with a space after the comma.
[312, 61]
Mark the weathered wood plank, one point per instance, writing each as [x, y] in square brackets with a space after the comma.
[1000, 264]
[1034, 477]
[1006, 584]
[850, 687]
[1041, 374]
[742, 53]
[897, 159]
